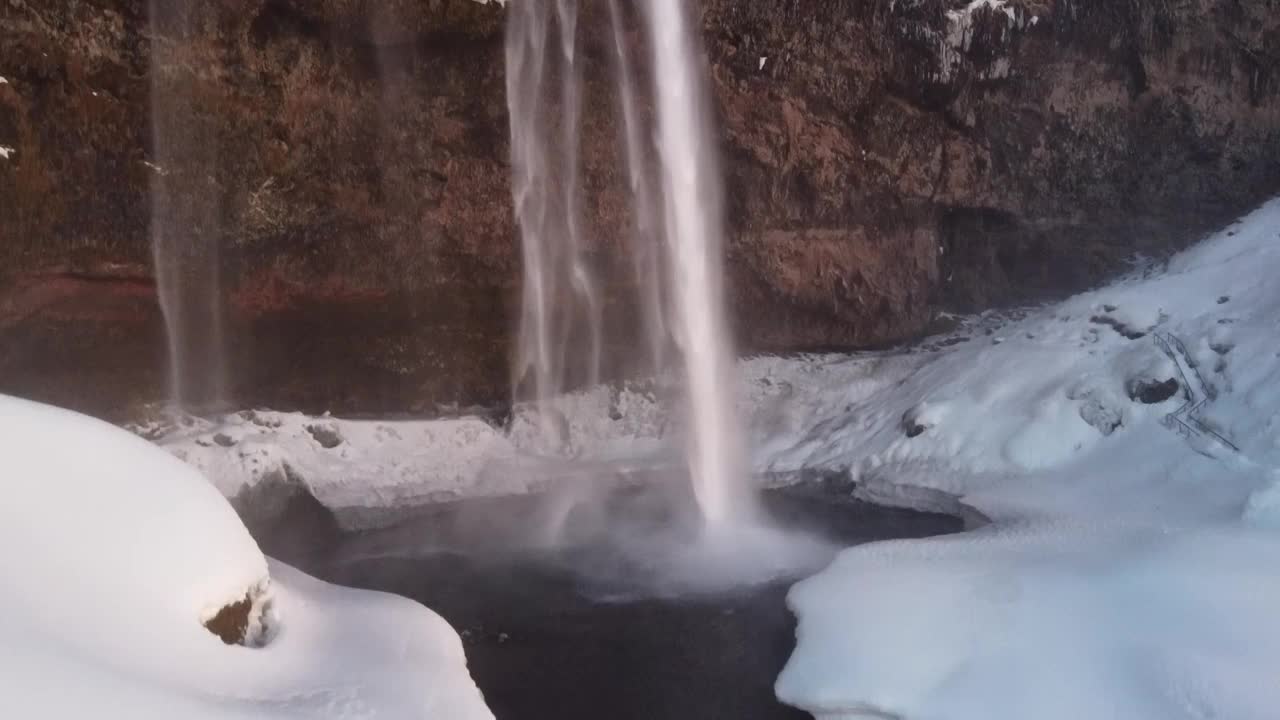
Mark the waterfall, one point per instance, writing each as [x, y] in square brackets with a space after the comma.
[186, 216]
[677, 233]
[693, 209]
[559, 343]
[646, 249]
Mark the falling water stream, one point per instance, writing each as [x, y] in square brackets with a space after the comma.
[677, 229]
[693, 212]
[186, 212]
[646, 248]
[560, 330]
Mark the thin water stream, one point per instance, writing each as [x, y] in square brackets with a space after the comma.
[186, 216]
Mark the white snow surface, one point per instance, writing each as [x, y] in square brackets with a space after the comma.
[1129, 568]
[113, 555]
[375, 469]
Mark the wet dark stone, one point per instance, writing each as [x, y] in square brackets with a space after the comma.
[1152, 392]
[911, 424]
[231, 624]
[224, 440]
[326, 436]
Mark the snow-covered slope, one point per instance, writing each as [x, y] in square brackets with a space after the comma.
[112, 556]
[1125, 444]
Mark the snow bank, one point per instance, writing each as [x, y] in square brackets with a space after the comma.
[1051, 622]
[345, 464]
[1124, 444]
[113, 554]
[369, 471]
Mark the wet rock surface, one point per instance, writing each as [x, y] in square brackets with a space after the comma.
[231, 623]
[1152, 392]
[883, 160]
[247, 621]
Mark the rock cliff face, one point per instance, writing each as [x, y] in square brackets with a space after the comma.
[884, 159]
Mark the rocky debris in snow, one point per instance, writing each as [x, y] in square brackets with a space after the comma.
[835, 482]
[261, 419]
[1118, 326]
[913, 422]
[1105, 418]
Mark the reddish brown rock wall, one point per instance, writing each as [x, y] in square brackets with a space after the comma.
[889, 159]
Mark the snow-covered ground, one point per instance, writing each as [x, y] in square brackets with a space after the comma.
[368, 472]
[1129, 570]
[1124, 444]
[113, 555]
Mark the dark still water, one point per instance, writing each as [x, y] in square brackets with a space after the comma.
[583, 630]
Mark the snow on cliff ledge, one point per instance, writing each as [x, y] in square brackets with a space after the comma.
[1125, 444]
[112, 555]
[369, 472]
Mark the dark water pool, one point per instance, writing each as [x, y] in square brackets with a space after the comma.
[566, 633]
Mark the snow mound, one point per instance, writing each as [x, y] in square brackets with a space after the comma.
[1051, 623]
[1125, 445]
[115, 554]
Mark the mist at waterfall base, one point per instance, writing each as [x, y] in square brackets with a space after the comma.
[713, 533]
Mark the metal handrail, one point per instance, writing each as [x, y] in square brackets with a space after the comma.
[1185, 420]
